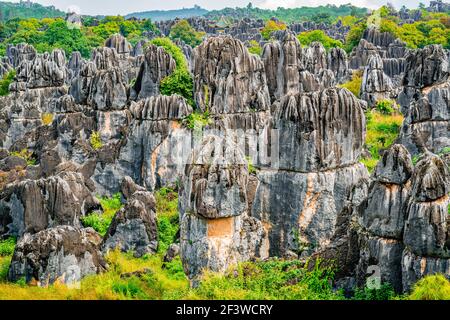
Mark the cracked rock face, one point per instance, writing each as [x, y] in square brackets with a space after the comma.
[426, 230]
[283, 61]
[384, 215]
[157, 65]
[216, 229]
[31, 206]
[62, 254]
[134, 226]
[376, 85]
[45, 70]
[319, 130]
[228, 79]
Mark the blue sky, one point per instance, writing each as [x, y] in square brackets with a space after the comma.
[127, 6]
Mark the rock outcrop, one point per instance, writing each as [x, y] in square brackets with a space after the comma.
[62, 254]
[216, 229]
[157, 65]
[383, 217]
[425, 101]
[134, 228]
[376, 85]
[31, 206]
[426, 235]
[228, 79]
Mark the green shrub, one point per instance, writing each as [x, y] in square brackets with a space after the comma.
[4, 268]
[308, 37]
[354, 85]
[197, 120]
[354, 36]
[96, 140]
[175, 269]
[386, 106]
[385, 292]
[167, 217]
[6, 81]
[250, 166]
[100, 222]
[26, 155]
[270, 27]
[182, 30]
[180, 81]
[432, 287]
[7, 246]
[444, 151]
[255, 48]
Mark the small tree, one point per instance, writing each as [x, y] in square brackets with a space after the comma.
[182, 30]
[270, 27]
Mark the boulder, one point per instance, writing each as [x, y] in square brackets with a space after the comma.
[134, 228]
[62, 254]
[31, 206]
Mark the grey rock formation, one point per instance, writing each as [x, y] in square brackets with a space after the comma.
[45, 70]
[216, 228]
[376, 85]
[31, 206]
[315, 58]
[426, 230]
[283, 62]
[312, 134]
[425, 101]
[119, 43]
[384, 215]
[338, 63]
[228, 79]
[134, 226]
[157, 65]
[154, 153]
[62, 254]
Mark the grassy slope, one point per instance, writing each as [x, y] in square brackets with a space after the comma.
[382, 130]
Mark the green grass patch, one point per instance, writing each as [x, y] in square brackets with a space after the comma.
[96, 140]
[167, 217]
[382, 130]
[25, 154]
[7, 246]
[354, 85]
[7, 79]
[100, 222]
[432, 287]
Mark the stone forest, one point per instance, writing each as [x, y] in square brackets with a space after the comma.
[240, 153]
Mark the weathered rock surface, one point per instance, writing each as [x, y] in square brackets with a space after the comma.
[157, 65]
[216, 229]
[62, 254]
[376, 85]
[319, 130]
[425, 101]
[133, 228]
[426, 230]
[228, 79]
[31, 206]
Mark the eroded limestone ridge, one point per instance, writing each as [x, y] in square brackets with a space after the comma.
[266, 159]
